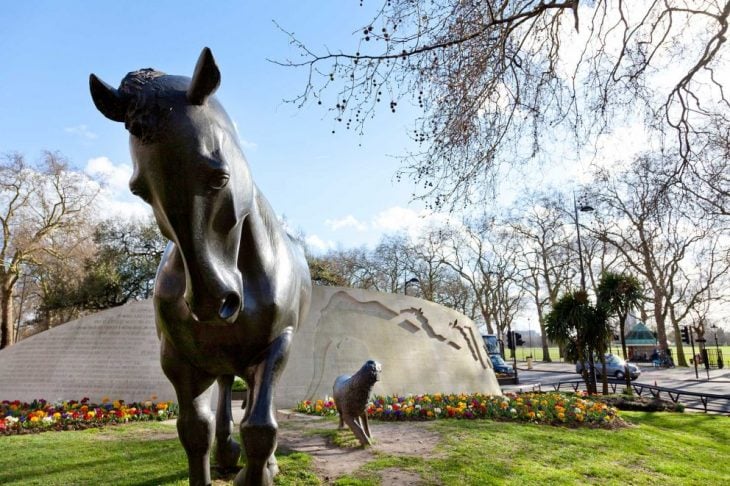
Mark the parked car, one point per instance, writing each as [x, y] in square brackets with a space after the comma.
[615, 367]
[500, 366]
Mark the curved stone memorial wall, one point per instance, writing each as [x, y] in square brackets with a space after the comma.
[423, 347]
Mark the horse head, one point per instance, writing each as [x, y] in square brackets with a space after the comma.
[189, 167]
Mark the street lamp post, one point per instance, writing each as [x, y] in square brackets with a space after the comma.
[584, 208]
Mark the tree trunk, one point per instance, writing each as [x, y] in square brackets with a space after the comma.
[660, 318]
[680, 359]
[543, 337]
[6, 317]
[627, 374]
[593, 388]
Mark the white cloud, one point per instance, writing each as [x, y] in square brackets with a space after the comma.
[82, 131]
[248, 145]
[348, 221]
[114, 198]
[396, 219]
[112, 207]
[414, 223]
[115, 176]
[317, 244]
[245, 144]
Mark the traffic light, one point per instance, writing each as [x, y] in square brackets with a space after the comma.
[510, 341]
[518, 339]
[685, 334]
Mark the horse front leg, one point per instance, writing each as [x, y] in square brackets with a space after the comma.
[258, 427]
[195, 423]
[227, 450]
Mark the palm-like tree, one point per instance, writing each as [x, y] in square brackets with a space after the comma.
[582, 329]
[618, 294]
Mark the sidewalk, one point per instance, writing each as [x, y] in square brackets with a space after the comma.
[677, 373]
[719, 380]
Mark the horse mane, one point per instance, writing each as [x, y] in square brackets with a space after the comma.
[147, 94]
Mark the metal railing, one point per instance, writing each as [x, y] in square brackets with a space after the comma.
[708, 402]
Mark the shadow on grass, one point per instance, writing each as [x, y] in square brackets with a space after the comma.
[44, 469]
[156, 481]
[706, 424]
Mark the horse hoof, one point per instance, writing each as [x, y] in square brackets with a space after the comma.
[245, 479]
[227, 457]
[273, 466]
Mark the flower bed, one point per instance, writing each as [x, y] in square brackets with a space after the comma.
[546, 408]
[39, 416]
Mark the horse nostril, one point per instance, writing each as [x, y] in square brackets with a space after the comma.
[230, 306]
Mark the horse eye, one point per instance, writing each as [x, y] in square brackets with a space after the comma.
[218, 180]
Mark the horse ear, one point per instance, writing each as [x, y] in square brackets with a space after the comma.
[206, 78]
[107, 99]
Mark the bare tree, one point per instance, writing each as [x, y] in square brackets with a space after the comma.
[683, 260]
[707, 181]
[53, 277]
[351, 267]
[500, 80]
[36, 204]
[546, 260]
[483, 256]
[394, 263]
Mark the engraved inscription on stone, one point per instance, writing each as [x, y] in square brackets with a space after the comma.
[114, 354]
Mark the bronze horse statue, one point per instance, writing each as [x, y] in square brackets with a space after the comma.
[232, 285]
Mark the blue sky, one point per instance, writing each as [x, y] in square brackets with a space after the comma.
[338, 189]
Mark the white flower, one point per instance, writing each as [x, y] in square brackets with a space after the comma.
[47, 419]
[578, 410]
[437, 410]
[11, 420]
[512, 410]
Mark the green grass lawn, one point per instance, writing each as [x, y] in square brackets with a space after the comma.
[660, 448]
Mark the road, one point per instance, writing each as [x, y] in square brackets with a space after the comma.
[546, 375]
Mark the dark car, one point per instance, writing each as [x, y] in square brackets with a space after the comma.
[615, 367]
[500, 366]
